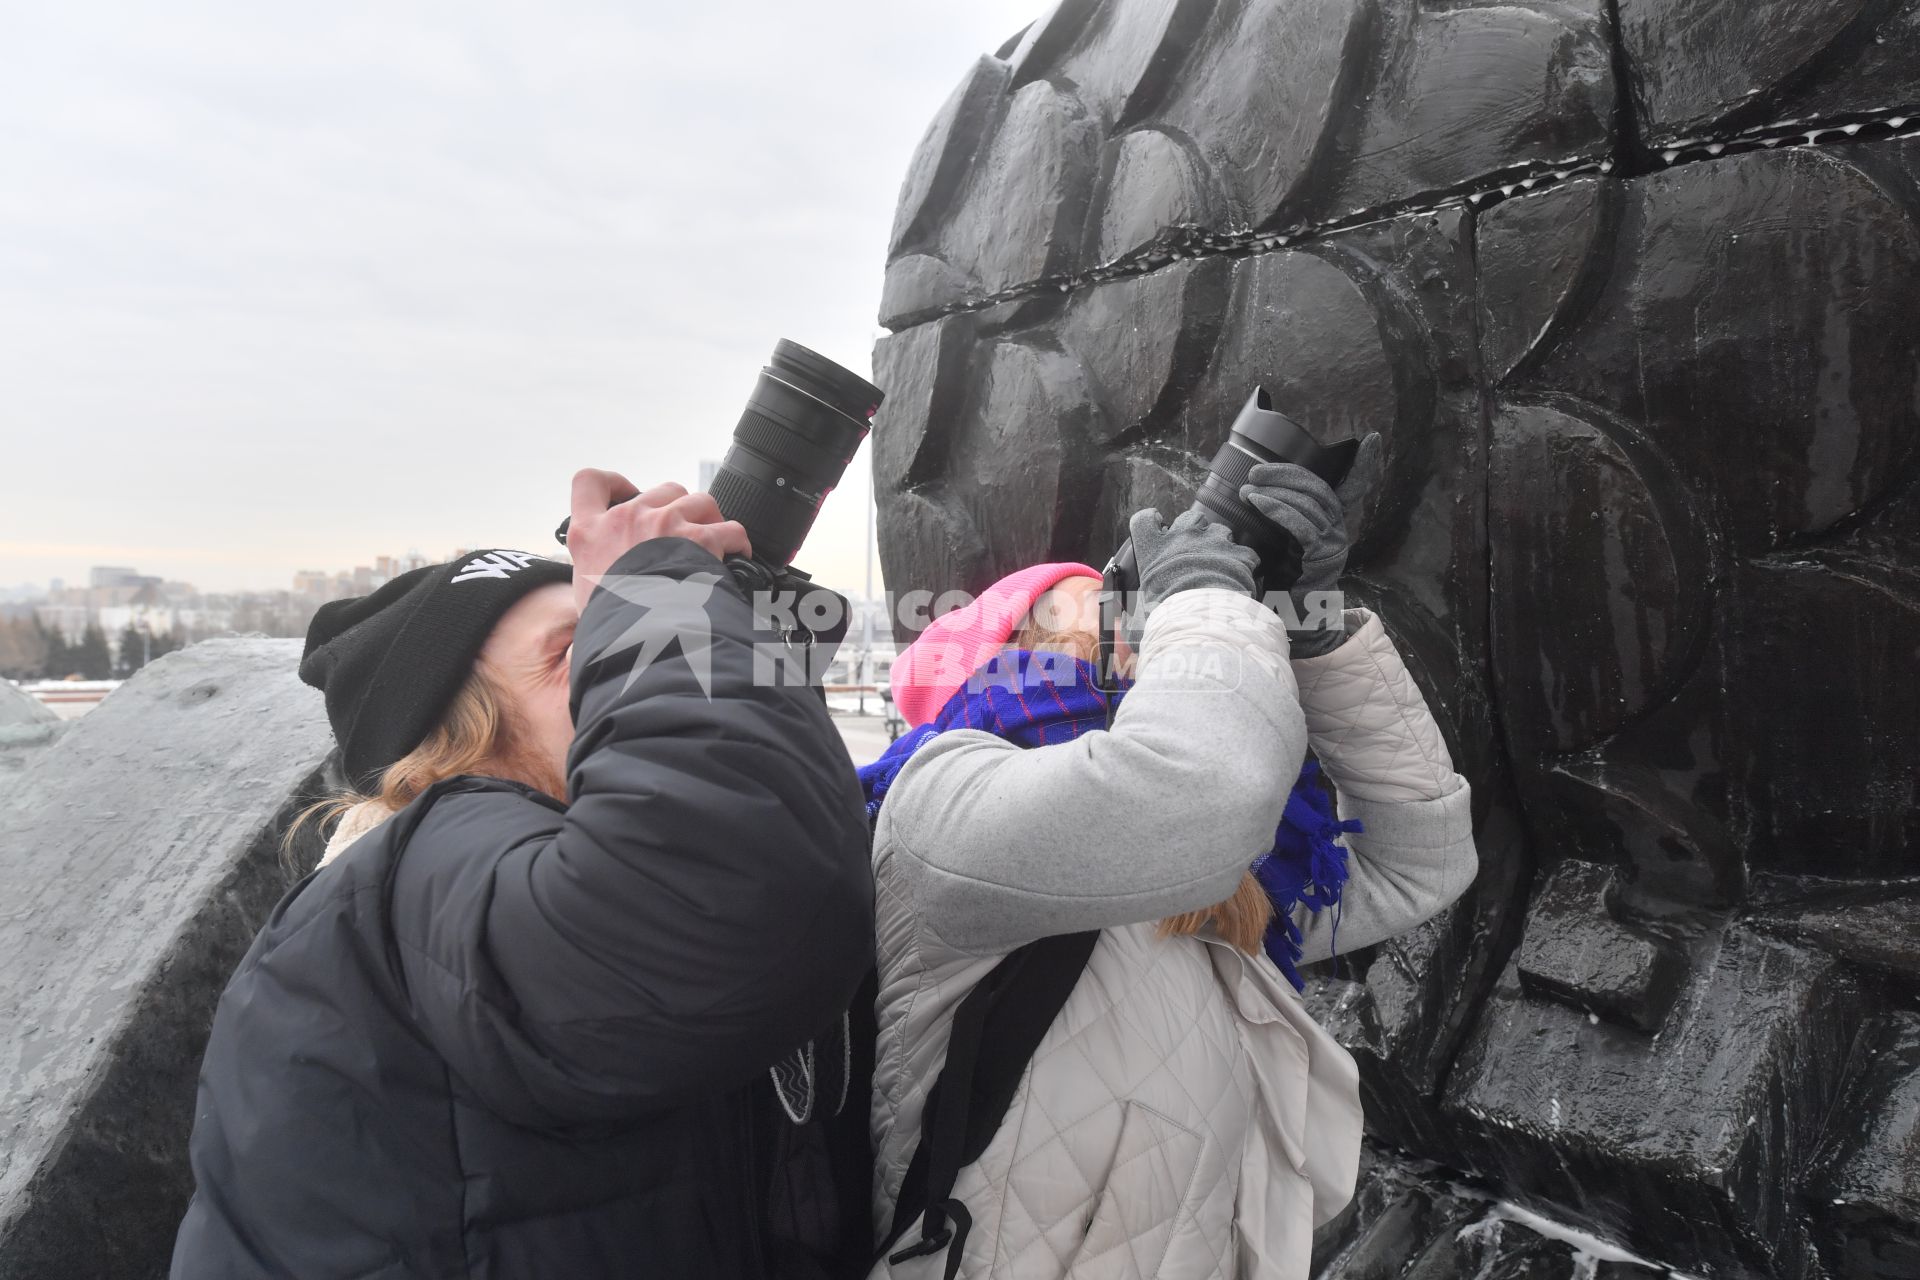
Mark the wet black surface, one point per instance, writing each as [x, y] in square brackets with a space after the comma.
[1649, 535]
[1577, 951]
[1868, 1199]
[1687, 1143]
[1413, 1219]
[1875, 927]
[1702, 67]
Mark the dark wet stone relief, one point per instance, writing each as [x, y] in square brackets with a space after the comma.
[1628, 287]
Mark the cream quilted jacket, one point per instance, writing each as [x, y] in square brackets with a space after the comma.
[1183, 1117]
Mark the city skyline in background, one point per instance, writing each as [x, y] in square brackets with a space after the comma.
[330, 583]
[117, 619]
[845, 574]
[296, 289]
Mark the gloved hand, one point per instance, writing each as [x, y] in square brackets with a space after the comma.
[1191, 552]
[1315, 515]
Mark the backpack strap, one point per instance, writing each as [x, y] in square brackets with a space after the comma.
[996, 1029]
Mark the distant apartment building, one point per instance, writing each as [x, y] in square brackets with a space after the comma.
[203, 621]
[319, 586]
[109, 585]
[115, 620]
[118, 596]
[69, 620]
[111, 575]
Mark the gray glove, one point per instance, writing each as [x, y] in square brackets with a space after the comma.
[1301, 503]
[1188, 554]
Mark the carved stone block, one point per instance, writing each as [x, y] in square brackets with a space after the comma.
[1868, 1201]
[140, 855]
[1575, 951]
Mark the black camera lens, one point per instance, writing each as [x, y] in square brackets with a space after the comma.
[1264, 431]
[802, 425]
[1262, 434]
[1219, 497]
[821, 378]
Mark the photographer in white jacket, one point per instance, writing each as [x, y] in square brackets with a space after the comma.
[1182, 1116]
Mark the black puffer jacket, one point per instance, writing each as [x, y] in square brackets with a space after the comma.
[501, 1038]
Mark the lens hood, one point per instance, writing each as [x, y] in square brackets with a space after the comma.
[833, 385]
[1274, 433]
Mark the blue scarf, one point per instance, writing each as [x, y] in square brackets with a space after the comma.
[1039, 699]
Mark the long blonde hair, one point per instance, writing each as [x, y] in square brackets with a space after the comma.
[1241, 921]
[477, 735]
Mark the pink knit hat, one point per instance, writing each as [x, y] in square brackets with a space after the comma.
[955, 645]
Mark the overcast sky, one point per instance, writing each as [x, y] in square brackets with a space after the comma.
[288, 286]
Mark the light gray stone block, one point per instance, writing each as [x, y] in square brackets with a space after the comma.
[138, 856]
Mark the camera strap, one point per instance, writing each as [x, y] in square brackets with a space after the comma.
[996, 1029]
[1113, 588]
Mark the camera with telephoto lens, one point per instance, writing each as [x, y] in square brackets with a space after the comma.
[1260, 434]
[803, 423]
[801, 427]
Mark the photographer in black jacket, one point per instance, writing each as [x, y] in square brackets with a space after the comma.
[510, 1032]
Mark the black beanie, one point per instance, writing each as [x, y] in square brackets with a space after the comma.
[390, 663]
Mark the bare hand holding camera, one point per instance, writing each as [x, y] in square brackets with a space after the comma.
[610, 517]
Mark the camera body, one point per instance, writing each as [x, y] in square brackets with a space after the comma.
[810, 618]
